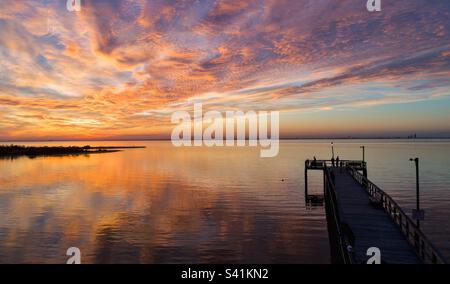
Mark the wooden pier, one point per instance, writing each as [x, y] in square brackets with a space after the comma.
[361, 216]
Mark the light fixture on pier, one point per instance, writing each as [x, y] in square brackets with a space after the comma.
[417, 214]
[363, 150]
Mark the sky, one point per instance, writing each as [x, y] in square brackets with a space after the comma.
[118, 69]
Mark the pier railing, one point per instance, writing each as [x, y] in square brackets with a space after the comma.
[321, 164]
[423, 247]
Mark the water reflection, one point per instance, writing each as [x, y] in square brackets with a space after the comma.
[170, 205]
[158, 204]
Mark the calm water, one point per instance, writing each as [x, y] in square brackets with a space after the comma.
[201, 205]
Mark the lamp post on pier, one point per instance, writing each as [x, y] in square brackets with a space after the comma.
[363, 152]
[417, 214]
[332, 153]
[332, 150]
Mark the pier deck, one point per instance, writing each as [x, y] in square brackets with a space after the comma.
[361, 216]
[371, 226]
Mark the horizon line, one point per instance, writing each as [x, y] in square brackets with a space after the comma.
[283, 138]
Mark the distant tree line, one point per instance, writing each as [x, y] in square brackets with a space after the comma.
[17, 150]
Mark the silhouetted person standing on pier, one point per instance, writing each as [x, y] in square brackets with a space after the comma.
[339, 164]
[332, 161]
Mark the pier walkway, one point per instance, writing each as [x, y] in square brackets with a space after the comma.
[361, 216]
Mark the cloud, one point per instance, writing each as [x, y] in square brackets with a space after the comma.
[119, 58]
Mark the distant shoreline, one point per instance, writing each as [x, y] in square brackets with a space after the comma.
[306, 138]
[11, 151]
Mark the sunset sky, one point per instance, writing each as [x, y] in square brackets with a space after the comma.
[119, 68]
